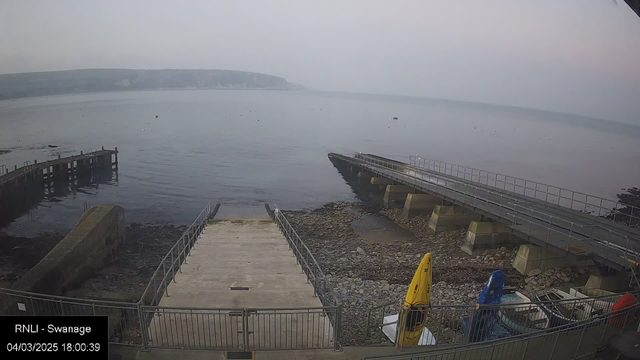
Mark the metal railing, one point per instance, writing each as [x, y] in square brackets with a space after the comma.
[574, 340]
[305, 258]
[314, 272]
[124, 320]
[449, 325]
[172, 262]
[558, 231]
[242, 329]
[595, 205]
[536, 223]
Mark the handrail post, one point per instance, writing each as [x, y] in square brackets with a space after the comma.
[600, 207]
[166, 286]
[143, 326]
[155, 288]
[184, 248]
[530, 222]
[173, 267]
[245, 329]
[553, 349]
[575, 355]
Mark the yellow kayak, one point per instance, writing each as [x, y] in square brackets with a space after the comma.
[418, 296]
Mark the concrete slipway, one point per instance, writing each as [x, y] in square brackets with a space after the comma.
[239, 264]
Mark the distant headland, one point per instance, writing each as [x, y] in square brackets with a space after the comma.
[14, 86]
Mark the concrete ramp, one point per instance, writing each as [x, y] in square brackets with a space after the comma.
[95, 237]
[249, 292]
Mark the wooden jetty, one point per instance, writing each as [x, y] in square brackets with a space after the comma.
[27, 182]
[60, 169]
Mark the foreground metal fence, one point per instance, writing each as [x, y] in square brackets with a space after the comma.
[613, 210]
[175, 257]
[126, 322]
[242, 329]
[461, 324]
[576, 340]
[124, 319]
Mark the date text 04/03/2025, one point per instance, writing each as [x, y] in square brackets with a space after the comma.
[52, 347]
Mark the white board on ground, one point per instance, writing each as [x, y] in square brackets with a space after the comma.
[426, 338]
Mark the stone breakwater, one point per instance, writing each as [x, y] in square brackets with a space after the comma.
[367, 271]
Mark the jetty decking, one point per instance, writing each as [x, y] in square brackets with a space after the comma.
[21, 188]
[567, 230]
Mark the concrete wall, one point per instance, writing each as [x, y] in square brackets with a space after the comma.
[532, 257]
[487, 234]
[381, 181]
[94, 238]
[417, 204]
[616, 282]
[446, 218]
[396, 194]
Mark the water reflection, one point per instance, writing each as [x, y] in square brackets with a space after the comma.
[26, 200]
[361, 187]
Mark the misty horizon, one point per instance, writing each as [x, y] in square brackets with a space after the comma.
[547, 55]
[352, 93]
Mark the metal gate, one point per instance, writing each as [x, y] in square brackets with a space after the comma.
[241, 329]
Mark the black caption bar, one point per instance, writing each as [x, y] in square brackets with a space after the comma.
[40, 337]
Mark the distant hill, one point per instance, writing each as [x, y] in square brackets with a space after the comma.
[13, 86]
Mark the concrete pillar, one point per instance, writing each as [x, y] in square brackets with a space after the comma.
[364, 175]
[446, 218]
[395, 194]
[485, 234]
[531, 257]
[615, 283]
[417, 204]
[381, 181]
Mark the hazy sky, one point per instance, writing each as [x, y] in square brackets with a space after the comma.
[575, 56]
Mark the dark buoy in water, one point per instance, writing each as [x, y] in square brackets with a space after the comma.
[156, 116]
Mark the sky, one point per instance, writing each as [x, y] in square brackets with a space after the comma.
[572, 56]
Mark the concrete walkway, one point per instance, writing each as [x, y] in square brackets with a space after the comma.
[240, 265]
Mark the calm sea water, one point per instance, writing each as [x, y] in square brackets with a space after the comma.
[245, 147]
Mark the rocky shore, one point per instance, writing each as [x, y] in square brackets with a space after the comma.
[368, 271]
[123, 278]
